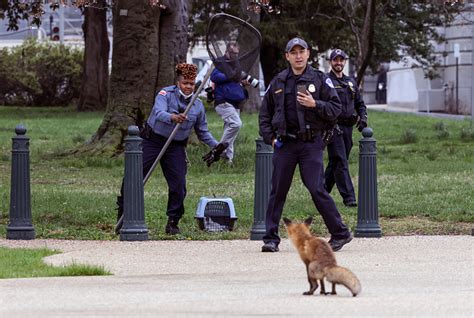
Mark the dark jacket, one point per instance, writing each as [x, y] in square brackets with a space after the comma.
[227, 90]
[272, 119]
[352, 103]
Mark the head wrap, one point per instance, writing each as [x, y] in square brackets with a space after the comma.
[188, 71]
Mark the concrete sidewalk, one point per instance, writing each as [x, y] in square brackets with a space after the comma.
[422, 276]
[391, 109]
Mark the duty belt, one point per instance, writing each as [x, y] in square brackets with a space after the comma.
[307, 135]
[148, 133]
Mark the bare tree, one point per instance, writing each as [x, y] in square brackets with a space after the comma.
[95, 76]
[363, 34]
[148, 42]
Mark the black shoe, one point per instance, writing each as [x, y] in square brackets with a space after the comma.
[271, 247]
[336, 245]
[172, 227]
[351, 204]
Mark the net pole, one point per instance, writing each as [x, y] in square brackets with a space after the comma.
[175, 130]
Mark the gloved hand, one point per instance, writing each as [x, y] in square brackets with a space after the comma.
[215, 154]
[361, 123]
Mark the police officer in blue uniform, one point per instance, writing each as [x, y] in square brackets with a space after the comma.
[167, 111]
[299, 104]
[354, 112]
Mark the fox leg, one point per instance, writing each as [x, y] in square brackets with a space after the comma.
[313, 284]
[323, 289]
[333, 292]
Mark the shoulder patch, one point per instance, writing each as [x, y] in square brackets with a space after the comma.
[162, 92]
[329, 82]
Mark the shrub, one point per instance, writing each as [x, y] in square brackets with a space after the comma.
[467, 134]
[432, 155]
[39, 74]
[409, 136]
[439, 126]
[442, 134]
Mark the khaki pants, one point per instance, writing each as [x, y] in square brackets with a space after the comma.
[232, 124]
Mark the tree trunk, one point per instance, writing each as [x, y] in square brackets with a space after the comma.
[366, 40]
[134, 75]
[173, 40]
[254, 101]
[269, 61]
[95, 78]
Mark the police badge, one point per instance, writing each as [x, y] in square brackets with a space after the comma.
[311, 88]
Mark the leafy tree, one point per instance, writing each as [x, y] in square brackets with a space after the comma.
[150, 38]
[371, 31]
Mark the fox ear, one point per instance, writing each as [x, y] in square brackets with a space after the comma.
[308, 221]
[287, 221]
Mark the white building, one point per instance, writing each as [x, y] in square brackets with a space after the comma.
[453, 91]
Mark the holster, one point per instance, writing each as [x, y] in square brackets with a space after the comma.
[145, 131]
[351, 121]
[329, 133]
[306, 135]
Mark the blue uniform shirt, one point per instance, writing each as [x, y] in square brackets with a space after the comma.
[169, 101]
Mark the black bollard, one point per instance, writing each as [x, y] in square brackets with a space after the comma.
[263, 175]
[134, 227]
[367, 212]
[20, 226]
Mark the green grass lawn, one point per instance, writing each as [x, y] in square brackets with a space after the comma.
[425, 178]
[21, 262]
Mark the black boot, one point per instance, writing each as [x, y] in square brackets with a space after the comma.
[172, 226]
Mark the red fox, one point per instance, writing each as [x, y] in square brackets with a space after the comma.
[319, 259]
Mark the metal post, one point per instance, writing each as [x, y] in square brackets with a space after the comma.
[134, 228]
[457, 85]
[20, 226]
[263, 175]
[472, 72]
[61, 24]
[367, 211]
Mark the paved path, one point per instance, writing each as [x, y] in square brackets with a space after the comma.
[422, 276]
[391, 109]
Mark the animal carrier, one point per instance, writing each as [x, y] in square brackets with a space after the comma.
[215, 214]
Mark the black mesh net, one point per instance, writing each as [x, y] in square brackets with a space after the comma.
[233, 45]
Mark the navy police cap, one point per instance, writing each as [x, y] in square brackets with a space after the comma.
[338, 52]
[294, 42]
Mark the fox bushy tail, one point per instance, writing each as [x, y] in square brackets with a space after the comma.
[343, 276]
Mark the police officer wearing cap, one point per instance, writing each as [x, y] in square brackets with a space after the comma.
[168, 110]
[354, 112]
[298, 105]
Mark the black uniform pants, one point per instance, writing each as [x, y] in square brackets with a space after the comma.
[309, 157]
[337, 170]
[174, 167]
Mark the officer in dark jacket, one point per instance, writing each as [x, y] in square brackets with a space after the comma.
[353, 113]
[299, 104]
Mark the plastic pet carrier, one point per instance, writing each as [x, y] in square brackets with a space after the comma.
[215, 214]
